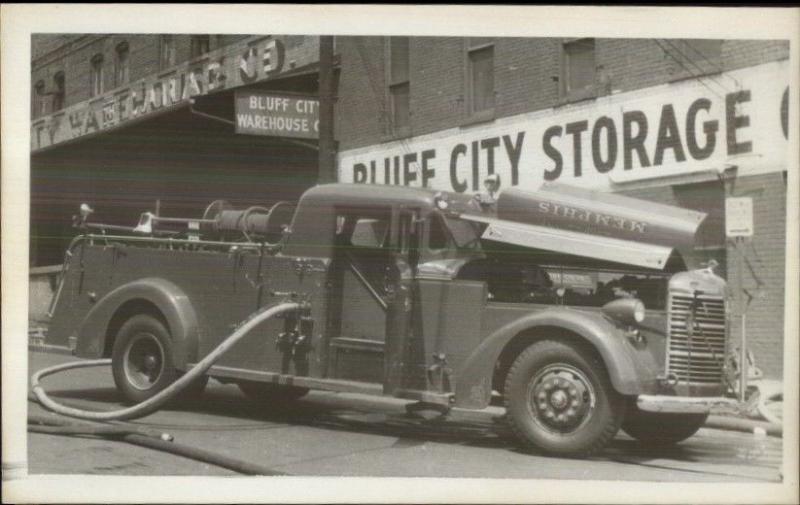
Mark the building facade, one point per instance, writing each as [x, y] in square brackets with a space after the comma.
[682, 122]
[122, 121]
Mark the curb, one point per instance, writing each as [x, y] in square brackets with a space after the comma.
[743, 425]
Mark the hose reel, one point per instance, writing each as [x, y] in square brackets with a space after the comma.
[220, 221]
[256, 222]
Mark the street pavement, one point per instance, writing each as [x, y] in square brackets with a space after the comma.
[335, 434]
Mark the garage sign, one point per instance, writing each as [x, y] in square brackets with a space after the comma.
[260, 113]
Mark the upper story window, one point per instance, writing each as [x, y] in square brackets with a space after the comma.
[480, 76]
[693, 57]
[39, 103]
[399, 84]
[58, 94]
[578, 67]
[167, 51]
[200, 45]
[122, 64]
[96, 75]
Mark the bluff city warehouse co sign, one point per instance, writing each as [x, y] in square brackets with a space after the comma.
[251, 60]
[739, 117]
[259, 113]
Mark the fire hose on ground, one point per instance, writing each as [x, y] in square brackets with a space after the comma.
[162, 442]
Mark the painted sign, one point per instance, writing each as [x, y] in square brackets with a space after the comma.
[261, 113]
[738, 117]
[252, 60]
[739, 217]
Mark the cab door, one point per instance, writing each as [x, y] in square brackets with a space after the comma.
[400, 300]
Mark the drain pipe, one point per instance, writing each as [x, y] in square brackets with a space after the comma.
[154, 403]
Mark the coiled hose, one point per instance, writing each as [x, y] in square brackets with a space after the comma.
[154, 403]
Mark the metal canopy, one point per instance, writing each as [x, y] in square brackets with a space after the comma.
[574, 243]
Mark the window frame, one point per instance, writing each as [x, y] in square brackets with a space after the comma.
[197, 40]
[119, 50]
[565, 94]
[96, 75]
[472, 45]
[59, 96]
[164, 41]
[392, 130]
[39, 105]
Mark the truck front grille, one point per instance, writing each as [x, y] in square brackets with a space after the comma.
[696, 356]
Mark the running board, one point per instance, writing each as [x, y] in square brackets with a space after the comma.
[337, 385]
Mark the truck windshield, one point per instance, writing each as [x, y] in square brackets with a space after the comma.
[466, 234]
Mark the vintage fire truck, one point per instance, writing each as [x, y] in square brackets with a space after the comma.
[576, 309]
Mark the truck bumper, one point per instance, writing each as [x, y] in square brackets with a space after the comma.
[684, 404]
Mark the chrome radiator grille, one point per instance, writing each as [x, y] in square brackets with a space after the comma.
[696, 344]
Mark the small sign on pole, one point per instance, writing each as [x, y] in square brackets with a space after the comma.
[739, 217]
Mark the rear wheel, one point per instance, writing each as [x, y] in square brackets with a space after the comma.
[263, 392]
[559, 400]
[656, 428]
[142, 362]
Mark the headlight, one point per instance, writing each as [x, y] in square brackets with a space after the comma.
[625, 310]
[638, 311]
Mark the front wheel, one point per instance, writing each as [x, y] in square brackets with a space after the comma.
[559, 400]
[658, 428]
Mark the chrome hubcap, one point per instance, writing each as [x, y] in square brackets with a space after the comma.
[143, 362]
[561, 398]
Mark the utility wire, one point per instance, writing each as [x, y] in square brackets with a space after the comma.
[702, 72]
[668, 53]
[717, 67]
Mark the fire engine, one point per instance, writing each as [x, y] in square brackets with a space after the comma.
[581, 311]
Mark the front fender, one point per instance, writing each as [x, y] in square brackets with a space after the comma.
[170, 300]
[627, 372]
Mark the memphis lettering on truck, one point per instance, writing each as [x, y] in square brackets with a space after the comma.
[580, 310]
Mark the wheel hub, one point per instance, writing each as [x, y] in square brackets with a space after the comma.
[143, 361]
[562, 398]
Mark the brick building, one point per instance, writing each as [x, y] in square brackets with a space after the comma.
[685, 122]
[121, 120]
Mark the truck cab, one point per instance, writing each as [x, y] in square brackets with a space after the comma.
[577, 309]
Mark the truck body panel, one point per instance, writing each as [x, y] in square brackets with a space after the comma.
[407, 296]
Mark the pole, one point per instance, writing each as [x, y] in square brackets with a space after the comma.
[327, 147]
[743, 350]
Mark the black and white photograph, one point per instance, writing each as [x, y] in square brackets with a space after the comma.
[364, 254]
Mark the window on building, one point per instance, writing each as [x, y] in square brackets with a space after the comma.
[399, 83]
[39, 103]
[200, 45]
[167, 51]
[693, 57]
[122, 64]
[96, 75]
[58, 94]
[480, 76]
[578, 69]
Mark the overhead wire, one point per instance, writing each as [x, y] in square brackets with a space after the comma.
[688, 70]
